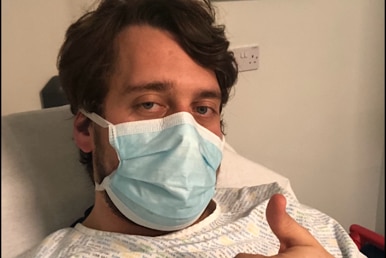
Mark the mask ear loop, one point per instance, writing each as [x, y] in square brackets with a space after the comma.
[96, 118]
[102, 186]
[104, 124]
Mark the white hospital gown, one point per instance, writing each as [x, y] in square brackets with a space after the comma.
[238, 225]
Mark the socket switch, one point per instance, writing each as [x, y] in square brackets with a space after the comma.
[247, 58]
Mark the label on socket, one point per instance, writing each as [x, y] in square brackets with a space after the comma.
[247, 57]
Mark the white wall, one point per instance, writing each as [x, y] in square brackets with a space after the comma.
[314, 109]
[312, 112]
[32, 32]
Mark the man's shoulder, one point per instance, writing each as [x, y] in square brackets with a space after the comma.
[248, 196]
[57, 240]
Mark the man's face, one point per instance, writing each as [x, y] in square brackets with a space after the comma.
[154, 78]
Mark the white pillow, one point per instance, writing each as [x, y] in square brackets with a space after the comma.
[45, 188]
[238, 171]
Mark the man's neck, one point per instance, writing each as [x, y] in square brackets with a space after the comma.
[102, 217]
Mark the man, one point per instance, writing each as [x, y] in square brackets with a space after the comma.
[147, 81]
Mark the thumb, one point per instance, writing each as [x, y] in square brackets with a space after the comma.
[295, 241]
[286, 229]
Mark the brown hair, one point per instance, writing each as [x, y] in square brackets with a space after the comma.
[88, 55]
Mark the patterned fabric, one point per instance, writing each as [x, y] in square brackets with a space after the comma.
[237, 225]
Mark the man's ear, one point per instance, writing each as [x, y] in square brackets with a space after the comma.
[82, 133]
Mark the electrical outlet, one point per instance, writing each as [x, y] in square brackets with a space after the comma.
[247, 58]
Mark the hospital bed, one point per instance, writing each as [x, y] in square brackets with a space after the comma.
[44, 187]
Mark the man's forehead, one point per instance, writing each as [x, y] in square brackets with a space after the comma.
[159, 64]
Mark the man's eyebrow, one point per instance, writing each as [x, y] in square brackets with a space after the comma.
[150, 86]
[163, 86]
[209, 94]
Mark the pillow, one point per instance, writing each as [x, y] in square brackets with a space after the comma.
[45, 188]
[238, 171]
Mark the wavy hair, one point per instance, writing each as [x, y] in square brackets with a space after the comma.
[88, 56]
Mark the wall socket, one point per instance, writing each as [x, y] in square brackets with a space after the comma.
[247, 57]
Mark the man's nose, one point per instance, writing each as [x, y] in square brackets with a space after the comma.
[179, 108]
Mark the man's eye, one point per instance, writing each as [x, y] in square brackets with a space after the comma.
[148, 105]
[202, 110]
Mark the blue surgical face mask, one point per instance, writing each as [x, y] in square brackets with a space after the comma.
[166, 175]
